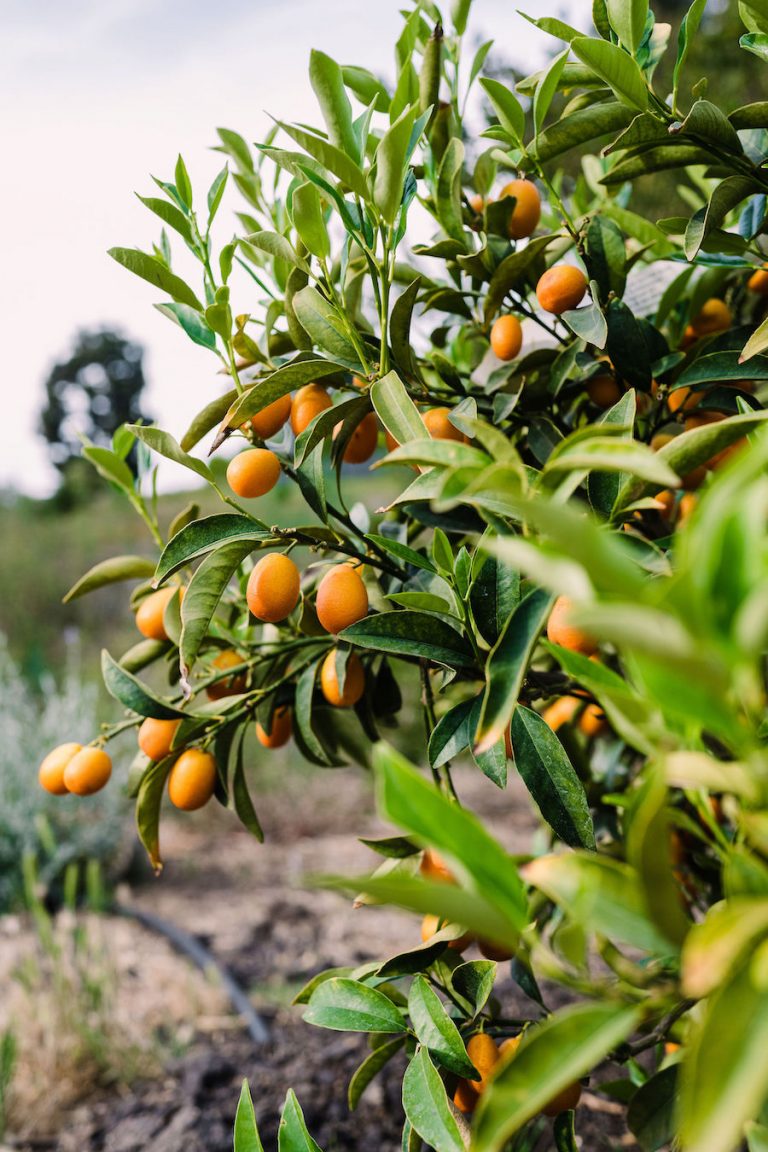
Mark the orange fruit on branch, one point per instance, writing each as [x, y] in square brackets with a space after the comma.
[308, 402]
[354, 681]
[51, 771]
[274, 587]
[271, 419]
[279, 732]
[150, 613]
[526, 212]
[506, 337]
[88, 771]
[229, 685]
[715, 316]
[362, 443]
[341, 599]
[561, 288]
[560, 631]
[432, 924]
[156, 736]
[192, 780]
[758, 281]
[439, 426]
[253, 473]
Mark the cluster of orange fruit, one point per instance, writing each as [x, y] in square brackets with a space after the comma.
[561, 288]
[273, 592]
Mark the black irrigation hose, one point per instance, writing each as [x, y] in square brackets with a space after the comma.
[190, 946]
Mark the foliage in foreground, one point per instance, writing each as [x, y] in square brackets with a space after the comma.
[604, 463]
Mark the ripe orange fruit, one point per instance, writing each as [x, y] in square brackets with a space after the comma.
[433, 867]
[51, 771]
[666, 503]
[432, 924]
[156, 736]
[192, 780]
[439, 426]
[477, 203]
[274, 587]
[592, 720]
[683, 399]
[560, 712]
[758, 281]
[270, 420]
[603, 391]
[495, 952]
[506, 337]
[354, 681]
[688, 502]
[701, 419]
[279, 733]
[715, 316]
[564, 1100]
[149, 616]
[362, 443]
[390, 441]
[561, 288]
[341, 598]
[308, 402]
[659, 440]
[483, 1051]
[88, 771]
[253, 473]
[230, 685]
[527, 210]
[509, 1047]
[559, 631]
[465, 1097]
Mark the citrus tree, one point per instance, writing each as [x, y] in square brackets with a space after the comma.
[573, 571]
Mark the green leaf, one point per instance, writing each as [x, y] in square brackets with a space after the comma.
[327, 155]
[310, 744]
[246, 1132]
[207, 419]
[448, 193]
[164, 444]
[326, 326]
[551, 779]
[546, 89]
[474, 981]
[611, 454]
[154, 271]
[183, 183]
[402, 552]
[292, 1135]
[508, 664]
[750, 115]
[648, 851]
[725, 196]
[507, 107]
[601, 894]
[435, 1029]
[452, 734]
[757, 343]
[169, 214]
[616, 68]
[655, 160]
[390, 165]
[579, 127]
[688, 29]
[134, 695]
[724, 1078]
[204, 592]
[426, 1105]
[109, 465]
[705, 120]
[148, 803]
[309, 221]
[494, 594]
[240, 799]
[627, 19]
[191, 322]
[327, 81]
[651, 1116]
[302, 370]
[412, 804]
[396, 410]
[568, 1045]
[215, 193]
[628, 713]
[727, 936]
[407, 633]
[511, 271]
[203, 536]
[348, 1006]
[697, 446]
[110, 571]
[370, 1068]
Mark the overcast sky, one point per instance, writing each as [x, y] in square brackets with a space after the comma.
[96, 95]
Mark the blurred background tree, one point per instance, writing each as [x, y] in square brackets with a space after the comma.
[90, 394]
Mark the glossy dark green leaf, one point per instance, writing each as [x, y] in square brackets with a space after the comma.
[149, 800]
[325, 325]
[426, 1105]
[349, 1006]
[580, 126]
[452, 734]
[132, 693]
[202, 536]
[407, 633]
[474, 981]
[302, 370]
[192, 322]
[207, 419]
[402, 552]
[551, 779]
[651, 1113]
[435, 1029]
[204, 592]
[151, 269]
[508, 664]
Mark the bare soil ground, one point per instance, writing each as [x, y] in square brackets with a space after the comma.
[251, 907]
